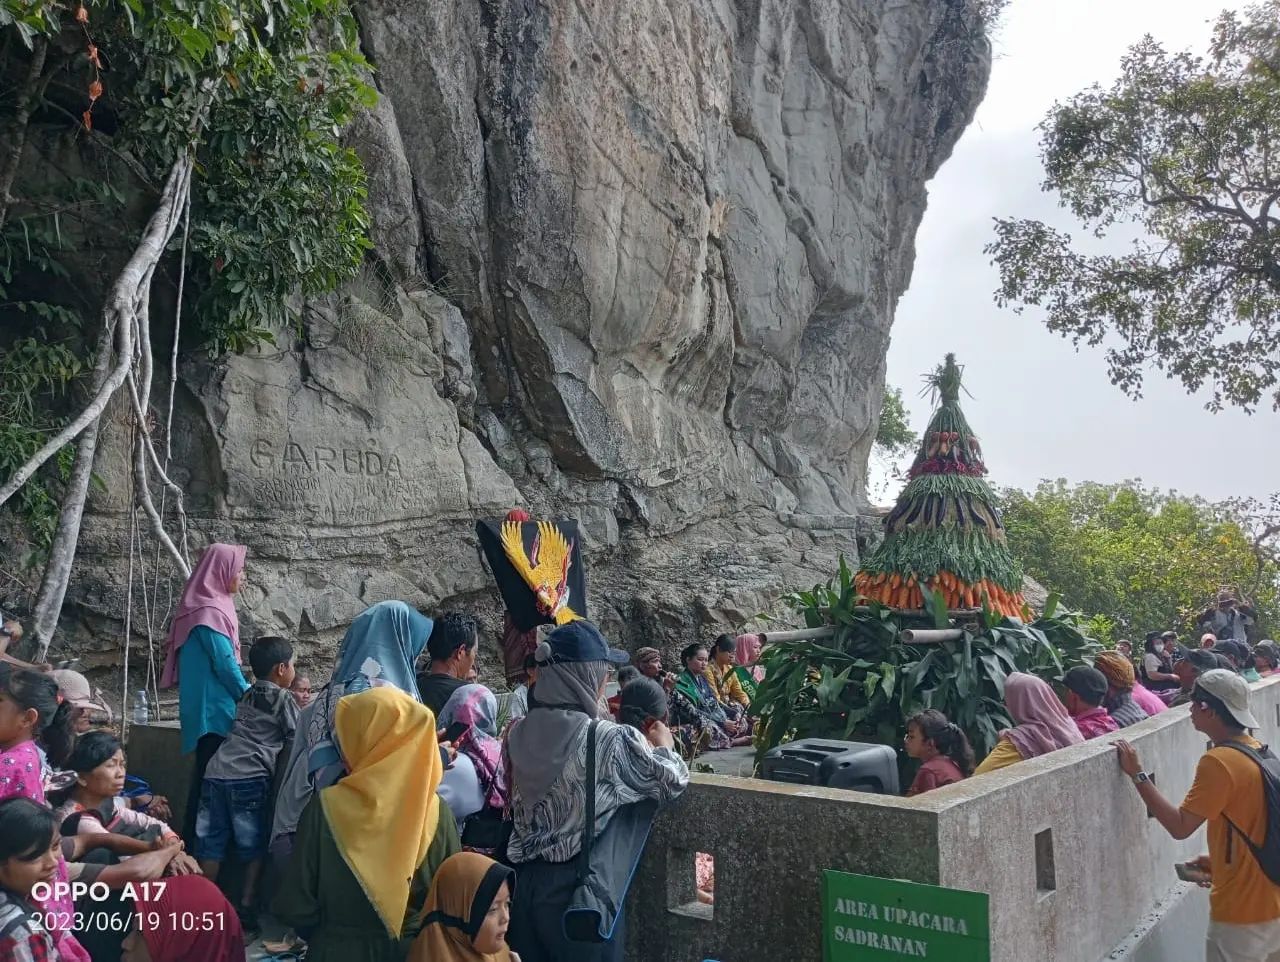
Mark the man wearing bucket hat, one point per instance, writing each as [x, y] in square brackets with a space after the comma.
[1228, 793]
[1228, 618]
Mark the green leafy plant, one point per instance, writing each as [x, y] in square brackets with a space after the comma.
[256, 94]
[1146, 559]
[1178, 153]
[865, 682]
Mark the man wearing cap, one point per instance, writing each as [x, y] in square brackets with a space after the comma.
[1086, 690]
[1244, 905]
[1229, 619]
[1188, 668]
[1120, 682]
[1241, 658]
[550, 772]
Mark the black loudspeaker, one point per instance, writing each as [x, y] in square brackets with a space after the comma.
[858, 766]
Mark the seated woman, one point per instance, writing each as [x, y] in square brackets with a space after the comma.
[90, 710]
[188, 919]
[1266, 657]
[749, 673]
[467, 913]
[701, 720]
[722, 672]
[368, 846]
[94, 803]
[1041, 723]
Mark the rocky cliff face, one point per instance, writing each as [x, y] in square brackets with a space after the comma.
[636, 262]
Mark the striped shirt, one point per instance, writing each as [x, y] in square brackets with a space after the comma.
[628, 770]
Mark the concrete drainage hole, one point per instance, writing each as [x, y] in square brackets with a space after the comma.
[697, 877]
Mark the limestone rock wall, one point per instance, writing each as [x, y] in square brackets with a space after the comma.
[635, 262]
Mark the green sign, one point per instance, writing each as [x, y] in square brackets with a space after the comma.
[865, 919]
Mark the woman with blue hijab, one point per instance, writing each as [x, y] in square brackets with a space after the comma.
[380, 648]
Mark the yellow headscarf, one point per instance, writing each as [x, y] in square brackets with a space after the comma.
[383, 814]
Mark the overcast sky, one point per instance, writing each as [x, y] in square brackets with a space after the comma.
[1042, 409]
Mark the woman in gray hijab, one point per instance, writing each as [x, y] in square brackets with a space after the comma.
[548, 767]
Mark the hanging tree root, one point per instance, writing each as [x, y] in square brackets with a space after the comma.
[130, 291]
[128, 298]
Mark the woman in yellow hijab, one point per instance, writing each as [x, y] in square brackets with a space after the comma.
[467, 912]
[368, 846]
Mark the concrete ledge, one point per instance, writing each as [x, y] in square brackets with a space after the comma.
[1062, 844]
[1174, 929]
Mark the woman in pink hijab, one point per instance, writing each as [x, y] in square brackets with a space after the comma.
[203, 659]
[1041, 723]
[749, 673]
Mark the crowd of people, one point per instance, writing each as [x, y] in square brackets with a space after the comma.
[397, 811]
[404, 810]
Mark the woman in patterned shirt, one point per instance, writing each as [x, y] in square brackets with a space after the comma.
[547, 762]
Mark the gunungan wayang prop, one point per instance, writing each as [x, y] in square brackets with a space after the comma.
[539, 570]
[945, 532]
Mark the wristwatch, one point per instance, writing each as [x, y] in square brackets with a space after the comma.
[1141, 777]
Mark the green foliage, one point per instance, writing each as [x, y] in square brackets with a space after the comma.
[31, 18]
[32, 371]
[1179, 151]
[1144, 559]
[260, 93]
[278, 206]
[864, 683]
[894, 435]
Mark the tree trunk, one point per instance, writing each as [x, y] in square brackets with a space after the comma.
[27, 97]
[57, 571]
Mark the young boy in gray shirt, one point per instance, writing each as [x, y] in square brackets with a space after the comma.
[235, 795]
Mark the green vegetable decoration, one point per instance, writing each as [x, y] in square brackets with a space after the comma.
[945, 532]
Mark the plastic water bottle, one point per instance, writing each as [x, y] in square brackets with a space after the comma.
[141, 715]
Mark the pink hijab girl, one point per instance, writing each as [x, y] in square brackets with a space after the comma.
[206, 600]
[748, 652]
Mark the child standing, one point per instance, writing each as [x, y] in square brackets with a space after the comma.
[234, 797]
[941, 747]
[28, 709]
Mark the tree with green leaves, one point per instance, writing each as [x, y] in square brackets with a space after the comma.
[226, 116]
[1179, 161]
[1145, 559]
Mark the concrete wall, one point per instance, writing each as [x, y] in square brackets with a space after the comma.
[1112, 867]
[1113, 893]
[154, 752]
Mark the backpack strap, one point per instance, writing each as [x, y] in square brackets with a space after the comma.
[1260, 757]
[589, 829]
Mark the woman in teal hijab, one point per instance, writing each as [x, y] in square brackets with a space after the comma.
[380, 648]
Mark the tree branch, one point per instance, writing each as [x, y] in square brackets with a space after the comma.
[120, 309]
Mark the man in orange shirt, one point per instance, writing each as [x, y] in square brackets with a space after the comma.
[1244, 905]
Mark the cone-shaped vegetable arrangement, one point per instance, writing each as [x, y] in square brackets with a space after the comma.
[945, 532]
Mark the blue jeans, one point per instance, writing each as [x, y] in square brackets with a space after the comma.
[233, 810]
